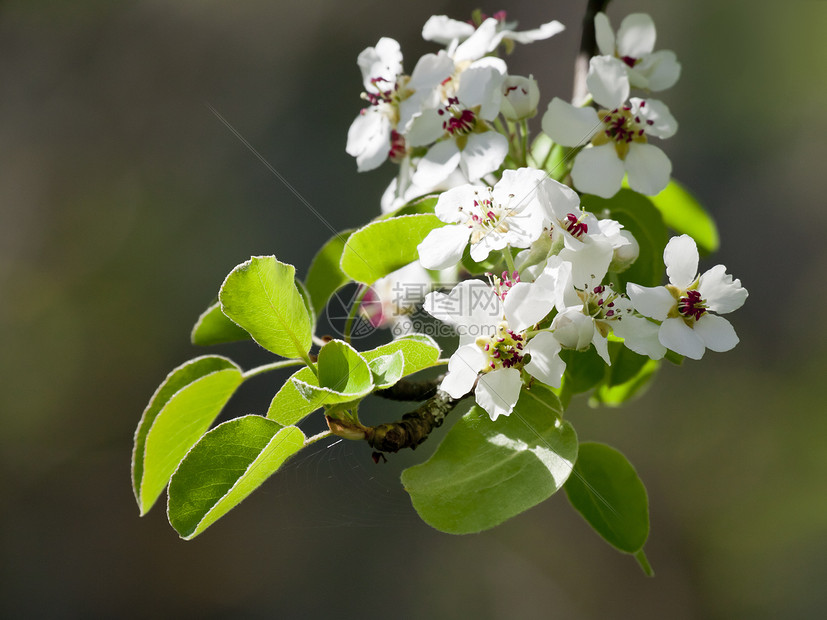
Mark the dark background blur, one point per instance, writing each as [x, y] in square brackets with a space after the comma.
[124, 202]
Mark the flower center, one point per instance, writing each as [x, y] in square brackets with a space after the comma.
[381, 96]
[630, 61]
[504, 349]
[502, 285]
[487, 216]
[460, 121]
[692, 305]
[575, 226]
[397, 151]
[622, 128]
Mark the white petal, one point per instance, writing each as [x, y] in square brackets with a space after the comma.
[716, 332]
[640, 335]
[384, 61]
[573, 329]
[526, 304]
[545, 31]
[568, 125]
[497, 391]
[457, 203]
[663, 124]
[648, 168]
[480, 86]
[483, 40]
[483, 153]
[721, 293]
[604, 35]
[654, 302]
[369, 139]
[431, 70]
[425, 128]
[463, 367]
[559, 200]
[439, 162]
[490, 242]
[607, 81]
[442, 29]
[472, 307]
[590, 262]
[443, 247]
[556, 277]
[601, 345]
[597, 170]
[545, 363]
[675, 334]
[681, 259]
[661, 69]
[636, 36]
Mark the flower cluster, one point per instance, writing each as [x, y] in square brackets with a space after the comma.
[457, 128]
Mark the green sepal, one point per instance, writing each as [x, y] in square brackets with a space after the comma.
[606, 490]
[224, 467]
[213, 327]
[181, 410]
[485, 472]
[384, 246]
[325, 276]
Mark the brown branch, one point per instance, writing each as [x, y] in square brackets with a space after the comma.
[588, 48]
[409, 432]
[411, 391]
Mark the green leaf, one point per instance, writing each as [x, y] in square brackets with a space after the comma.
[213, 327]
[420, 352]
[224, 467]
[485, 472]
[180, 411]
[478, 268]
[628, 376]
[640, 217]
[325, 276]
[344, 376]
[584, 369]
[288, 406]
[384, 246]
[416, 206]
[387, 369]
[261, 296]
[606, 491]
[684, 214]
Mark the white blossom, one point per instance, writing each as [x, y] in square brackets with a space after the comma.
[616, 144]
[493, 341]
[689, 307]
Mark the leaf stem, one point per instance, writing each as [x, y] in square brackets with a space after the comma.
[353, 310]
[509, 260]
[258, 370]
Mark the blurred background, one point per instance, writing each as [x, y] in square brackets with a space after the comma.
[124, 202]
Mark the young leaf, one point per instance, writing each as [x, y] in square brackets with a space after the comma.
[384, 246]
[684, 214]
[325, 276]
[640, 217]
[485, 472]
[224, 467]
[180, 411]
[343, 376]
[620, 388]
[606, 491]
[416, 206]
[387, 369]
[420, 352]
[261, 296]
[288, 406]
[213, 327]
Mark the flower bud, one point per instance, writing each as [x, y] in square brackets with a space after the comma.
[520, 97]
[625, 255]
[573, 329]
